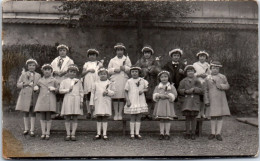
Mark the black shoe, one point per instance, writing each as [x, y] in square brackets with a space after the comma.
[192, 137]
[105, 138]
[88, 116]
[218, 137]
[187, 136]
[139, 137]
[167, 137]
[42, 136]
[211, 136]
[149, 117]
[144, 118]
[47, 137]
[57, 116]
[32, 134]
[97, 137]
[26, 132]
[132, 137]
[73, 138]
[161, 137]
[67, 138]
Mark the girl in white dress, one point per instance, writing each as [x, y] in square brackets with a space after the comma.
[101, 94]
[118, 68]
[202, 71]
[135, 99]
[60, 66]
[90, 75]
[73, 101]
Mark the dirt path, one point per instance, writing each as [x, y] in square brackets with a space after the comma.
[239, 140]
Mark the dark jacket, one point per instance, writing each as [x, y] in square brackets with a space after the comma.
[150, 69]
[190, 102]
[175, 75]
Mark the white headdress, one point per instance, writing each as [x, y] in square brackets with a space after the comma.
[30, 61]
[62, 46]
[202, 52]
[175, 50]
[147, 47]
[47, 65]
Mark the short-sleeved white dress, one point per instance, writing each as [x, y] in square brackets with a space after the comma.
[138, 102]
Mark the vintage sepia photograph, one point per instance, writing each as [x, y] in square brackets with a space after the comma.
[136, 79]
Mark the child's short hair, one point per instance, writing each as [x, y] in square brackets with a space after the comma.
[73, 67]
[202, 53]
[30, 61]
[136, 68]
[92, 52]
[189, 67]
[47, 66]
[176, 51]
[163, 72]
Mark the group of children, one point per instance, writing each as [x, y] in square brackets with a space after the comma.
[200, 88]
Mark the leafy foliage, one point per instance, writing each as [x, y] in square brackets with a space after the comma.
[14, 58]
[97, 12]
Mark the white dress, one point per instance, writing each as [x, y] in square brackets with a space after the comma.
[201, 69]
[90, 78]
[71, 102]
[102, 103]
[119, 78]
[138, 102]
[64, 67]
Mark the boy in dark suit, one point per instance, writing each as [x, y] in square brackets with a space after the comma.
[175, 67]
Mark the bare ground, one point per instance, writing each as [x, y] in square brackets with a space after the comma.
[239, 140]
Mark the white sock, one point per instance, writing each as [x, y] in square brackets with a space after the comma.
[74, 127]
[167, 128]
[162, 128]
[26, 123]
[48, 127]
[104, 128]
[132, 128]
[121, 106]
[137, 127]
[99, 128]
[67, 126]
[213, 126]
[43, 125]
[32, 123]
[88, 107]
[115, 105]
[219, 126]
[59, 104]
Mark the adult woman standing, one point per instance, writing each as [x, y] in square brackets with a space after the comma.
[150, 69]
